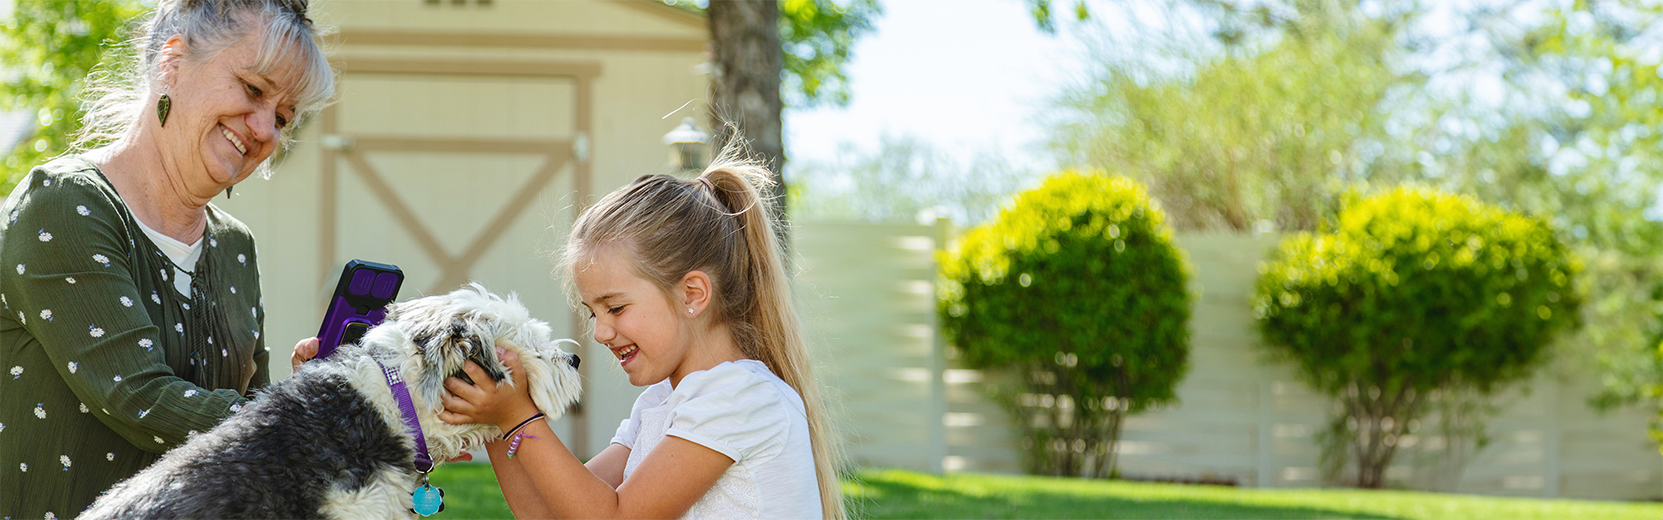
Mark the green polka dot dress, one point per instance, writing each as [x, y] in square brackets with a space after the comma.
[104, 364]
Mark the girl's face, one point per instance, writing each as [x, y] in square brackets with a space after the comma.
[633, 317]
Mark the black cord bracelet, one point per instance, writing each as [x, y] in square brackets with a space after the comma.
[522, 425]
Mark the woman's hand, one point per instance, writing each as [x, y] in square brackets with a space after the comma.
[303, 352]
[485, 401]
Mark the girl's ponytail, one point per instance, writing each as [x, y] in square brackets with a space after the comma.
[772, 314]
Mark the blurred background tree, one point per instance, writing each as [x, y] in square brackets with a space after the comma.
[1077, 293]
[905, 180]
[768, 52]
[47, 48]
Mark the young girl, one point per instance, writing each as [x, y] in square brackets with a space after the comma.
[684, 283]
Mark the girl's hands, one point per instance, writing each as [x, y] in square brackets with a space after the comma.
[485, 401]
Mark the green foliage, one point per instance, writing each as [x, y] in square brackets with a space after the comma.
[48, 47]
[818, 37]
[1414, 292]
[1247, 138]
[1078, 291]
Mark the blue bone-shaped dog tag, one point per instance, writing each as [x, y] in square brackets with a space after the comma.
[428, 500]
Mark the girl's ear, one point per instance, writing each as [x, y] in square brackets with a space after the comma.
[695, 290]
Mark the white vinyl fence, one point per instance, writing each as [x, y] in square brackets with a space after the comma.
[867, 295]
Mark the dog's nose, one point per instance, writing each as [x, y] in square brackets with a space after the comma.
[575, 361]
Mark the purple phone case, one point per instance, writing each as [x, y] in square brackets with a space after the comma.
[361, 296]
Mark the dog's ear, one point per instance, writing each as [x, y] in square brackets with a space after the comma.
[447, 346]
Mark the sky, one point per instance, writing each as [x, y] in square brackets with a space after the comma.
[961, 75]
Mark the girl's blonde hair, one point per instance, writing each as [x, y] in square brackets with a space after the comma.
[719, 223]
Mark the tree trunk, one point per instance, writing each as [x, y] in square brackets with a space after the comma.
[745, 88]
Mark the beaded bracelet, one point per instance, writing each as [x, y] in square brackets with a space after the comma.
[514, 445]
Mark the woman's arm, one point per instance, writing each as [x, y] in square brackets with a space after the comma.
[673, 477]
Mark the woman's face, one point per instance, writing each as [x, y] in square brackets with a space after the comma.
[633, 318]
[225, 119]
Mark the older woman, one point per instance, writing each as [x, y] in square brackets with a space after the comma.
[132, 312]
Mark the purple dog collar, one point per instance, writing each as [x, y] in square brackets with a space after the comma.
[407, 408]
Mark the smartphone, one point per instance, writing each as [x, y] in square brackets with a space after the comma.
[360, 302]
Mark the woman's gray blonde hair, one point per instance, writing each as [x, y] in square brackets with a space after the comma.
[120, 93]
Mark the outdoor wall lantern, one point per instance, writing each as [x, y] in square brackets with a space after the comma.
[687, 144]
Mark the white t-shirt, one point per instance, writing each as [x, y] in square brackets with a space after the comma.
[743, 411]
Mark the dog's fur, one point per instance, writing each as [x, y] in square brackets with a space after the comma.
[330, 441]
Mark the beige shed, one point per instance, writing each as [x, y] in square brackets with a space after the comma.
[465, 137]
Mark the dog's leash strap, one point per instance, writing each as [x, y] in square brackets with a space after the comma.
[407, 408]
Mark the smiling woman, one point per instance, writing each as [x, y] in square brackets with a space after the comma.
[132, 312]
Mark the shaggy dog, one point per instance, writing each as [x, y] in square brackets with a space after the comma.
[330, 441]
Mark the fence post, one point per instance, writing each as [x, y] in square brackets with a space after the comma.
[938, 357]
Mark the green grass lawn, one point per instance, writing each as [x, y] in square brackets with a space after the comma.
[471, 492]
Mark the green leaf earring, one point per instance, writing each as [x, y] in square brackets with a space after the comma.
[163, 105]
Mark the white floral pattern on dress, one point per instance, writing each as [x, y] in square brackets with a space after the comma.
[70, 279]
[46, 314]
[126, 302]
[236, 407]
[17, 372]
[146, 343]
[95, 331]
[116, 379]
[144, 412]
[64, 459]
[155, 297]
[242, 259]
[44, 236]
[23, 466]
[84, 408]
[179, 327]
[110, 456]
[83, 210]
[233, 289]
[101, 259]
[72, 366]
[40, 412]
[19, 268]
[158, 439]
[191, 392]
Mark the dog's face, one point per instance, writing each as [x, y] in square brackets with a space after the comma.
[436, 336]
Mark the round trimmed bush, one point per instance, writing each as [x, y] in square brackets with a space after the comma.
[1076, 293]
[1414, 292]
